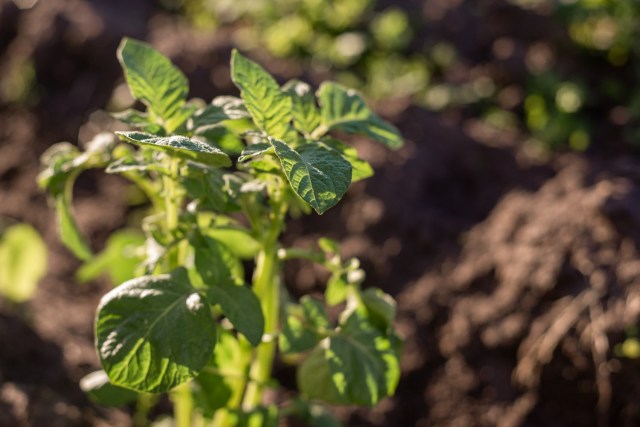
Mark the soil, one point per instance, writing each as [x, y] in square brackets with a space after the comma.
[515, 276]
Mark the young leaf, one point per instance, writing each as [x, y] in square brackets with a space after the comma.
[242, 308]
[345, 109]
[153, 79]
[179, 146]
[363, 362]
[23, 262]
[337, 288]
[306, 117]
[268, 105]
[69, 232]
[100, 389]
[154, 333]
[319, 175]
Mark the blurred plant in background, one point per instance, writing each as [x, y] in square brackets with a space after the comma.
[363, 47]
[23, 262]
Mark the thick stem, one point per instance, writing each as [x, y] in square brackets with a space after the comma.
[266, 285]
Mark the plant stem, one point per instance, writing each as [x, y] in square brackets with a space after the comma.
[183, 405]
[266, 285]
[181, 396]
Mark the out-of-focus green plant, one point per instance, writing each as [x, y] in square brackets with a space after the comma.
[363, 47]
[552, 112]
[23, 262]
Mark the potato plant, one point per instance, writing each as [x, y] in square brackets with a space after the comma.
[208, 313]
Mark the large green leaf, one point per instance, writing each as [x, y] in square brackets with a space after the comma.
[268, 105]
[153, 79]
[344, 109]
[180, 146]
[306, 117]
[23, 262]
[363, 362]
[154, 333]
[242, 308]
[318, 174]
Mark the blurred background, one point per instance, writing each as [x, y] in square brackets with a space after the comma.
[507, 228]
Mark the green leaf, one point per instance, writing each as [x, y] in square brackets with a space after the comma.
[254, 150]
[337, 288]
[23, 262]
[304, 326]
[215, 263]
[69, 232]
[329, 246]
[221, 108]
[238, 240]
[179, 146]
[361, 169]
[205, 184]
[363, 361]
[344, 109]
[153, 79]
[306, 117]
[154, 333]
[119, 259]
[314, 378]
[314, 414]
[100, 389]
[268, 105]
[319, 175]
[380, 306]
[223, 379]
[242, 307]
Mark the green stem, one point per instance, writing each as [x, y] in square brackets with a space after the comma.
[266, 285]
[183, 405]
[181, 396]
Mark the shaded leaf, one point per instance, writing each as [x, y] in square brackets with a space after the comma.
[304, 325]
[242, 307]
[363, 362]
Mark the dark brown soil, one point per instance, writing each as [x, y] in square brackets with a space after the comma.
[514, 278]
